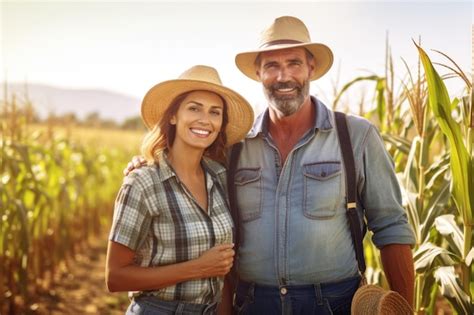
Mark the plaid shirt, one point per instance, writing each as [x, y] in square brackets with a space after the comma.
[157, 217]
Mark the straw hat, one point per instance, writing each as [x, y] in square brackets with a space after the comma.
[286, 32]
[373, 300]
[159, 97]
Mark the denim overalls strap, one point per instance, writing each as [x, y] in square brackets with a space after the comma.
[349, 165]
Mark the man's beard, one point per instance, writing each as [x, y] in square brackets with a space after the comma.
[287, 104]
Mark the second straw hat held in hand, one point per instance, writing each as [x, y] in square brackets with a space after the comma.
[199, 78]
[286, 32]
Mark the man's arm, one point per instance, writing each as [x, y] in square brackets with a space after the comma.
[225, 306]
[386, 217]
[399, 269]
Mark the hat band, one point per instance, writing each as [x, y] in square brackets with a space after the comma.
[280, 41]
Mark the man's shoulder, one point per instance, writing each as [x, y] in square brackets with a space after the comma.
[360, 130]
[358, 124]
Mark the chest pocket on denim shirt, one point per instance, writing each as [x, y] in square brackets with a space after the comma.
[248, 186]
[322, 189]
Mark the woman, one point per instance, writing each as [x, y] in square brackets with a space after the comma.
[171, 238]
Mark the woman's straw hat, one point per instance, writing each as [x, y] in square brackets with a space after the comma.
[286, 32]
[202, 78]
[373, 300]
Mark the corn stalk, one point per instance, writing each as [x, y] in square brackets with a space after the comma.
[462, 171]
[54, 195]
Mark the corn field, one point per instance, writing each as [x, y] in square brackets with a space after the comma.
[430, 137]
[56, 193]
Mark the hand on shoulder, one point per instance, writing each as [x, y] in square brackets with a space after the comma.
[136, 162]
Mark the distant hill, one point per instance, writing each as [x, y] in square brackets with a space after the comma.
[49, 99]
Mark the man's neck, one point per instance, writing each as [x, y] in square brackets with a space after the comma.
[287, 131]
[296, 124]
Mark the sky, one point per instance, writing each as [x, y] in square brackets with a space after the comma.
[128, 47]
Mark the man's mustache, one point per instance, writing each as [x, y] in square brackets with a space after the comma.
[285, 85]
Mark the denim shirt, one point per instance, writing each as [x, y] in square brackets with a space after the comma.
[294, 226]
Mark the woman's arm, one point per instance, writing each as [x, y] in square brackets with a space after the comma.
[123, 275]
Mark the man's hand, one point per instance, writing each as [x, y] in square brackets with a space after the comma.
[137, 162]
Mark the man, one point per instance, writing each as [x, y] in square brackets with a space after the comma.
[296, 254]
[290, 189]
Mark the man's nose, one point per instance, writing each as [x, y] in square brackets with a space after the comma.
[283, 75]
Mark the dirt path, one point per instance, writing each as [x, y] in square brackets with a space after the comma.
[82, 290]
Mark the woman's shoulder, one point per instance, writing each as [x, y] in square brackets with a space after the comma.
[143, 176]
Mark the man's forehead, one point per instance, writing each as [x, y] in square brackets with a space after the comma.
[283, 53]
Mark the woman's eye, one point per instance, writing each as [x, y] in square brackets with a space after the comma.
[216, 113]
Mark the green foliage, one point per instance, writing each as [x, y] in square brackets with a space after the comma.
[54, 195]
[431, 140]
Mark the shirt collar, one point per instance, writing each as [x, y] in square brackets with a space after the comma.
[167, 171]
[323, 119]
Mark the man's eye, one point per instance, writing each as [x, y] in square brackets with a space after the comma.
[270, 66]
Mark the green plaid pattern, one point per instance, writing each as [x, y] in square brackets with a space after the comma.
[157, 217]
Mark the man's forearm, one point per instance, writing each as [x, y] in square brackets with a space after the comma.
[225, 306]
[399, 269]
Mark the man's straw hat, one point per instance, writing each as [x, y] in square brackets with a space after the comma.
[373, 300]
[202, 78]
[286, 32]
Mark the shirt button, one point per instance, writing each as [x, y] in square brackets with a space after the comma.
[283, 291]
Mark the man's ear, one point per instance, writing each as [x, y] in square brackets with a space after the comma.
[312, 67]
[257, 72]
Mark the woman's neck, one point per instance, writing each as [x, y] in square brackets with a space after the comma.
[185, 162]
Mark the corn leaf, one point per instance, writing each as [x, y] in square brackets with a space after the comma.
[435, 206]
[400, 143]
[461, 163]
[447, 227]
[451, 289]
[425, 256]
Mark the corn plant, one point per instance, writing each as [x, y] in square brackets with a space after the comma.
[459, 135]
[424, 162]
[54, 195]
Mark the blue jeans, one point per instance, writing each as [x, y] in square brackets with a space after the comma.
[322, 298]
[147, 305]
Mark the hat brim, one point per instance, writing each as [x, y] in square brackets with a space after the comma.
[322, 54]
[159, 98]
[372, 299]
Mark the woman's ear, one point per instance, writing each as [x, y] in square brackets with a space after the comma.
[173, 120]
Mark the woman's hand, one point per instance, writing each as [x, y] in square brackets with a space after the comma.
[217, 261]
[123, 275]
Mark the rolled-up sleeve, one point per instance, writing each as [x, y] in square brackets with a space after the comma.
[131, 221]
[381, 196]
